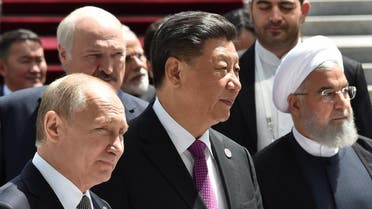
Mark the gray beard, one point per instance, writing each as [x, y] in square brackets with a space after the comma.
[336, 136]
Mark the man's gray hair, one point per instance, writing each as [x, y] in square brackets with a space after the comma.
[66, 28]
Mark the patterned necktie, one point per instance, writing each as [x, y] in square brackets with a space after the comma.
[200, 173]
[84, 203]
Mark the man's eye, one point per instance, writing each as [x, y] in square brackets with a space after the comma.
[328, 93]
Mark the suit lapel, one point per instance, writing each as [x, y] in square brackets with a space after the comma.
[363, 148]
[42, 195]
[163, 155]
[246, 97]
[226, 166]
[98, 203]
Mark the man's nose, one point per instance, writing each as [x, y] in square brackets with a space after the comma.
[106, 65]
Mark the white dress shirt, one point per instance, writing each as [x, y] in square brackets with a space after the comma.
[6, 90]
[182, 139]
[313, 147]
[271, 123]
[68, 194]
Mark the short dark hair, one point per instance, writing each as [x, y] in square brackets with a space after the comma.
[183, 36]
[240, 18]
[149, 35]
[10, 37]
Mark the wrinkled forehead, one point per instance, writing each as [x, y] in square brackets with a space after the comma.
[134, 45]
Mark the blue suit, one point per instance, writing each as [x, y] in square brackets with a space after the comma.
[29, 190]
[18, 112]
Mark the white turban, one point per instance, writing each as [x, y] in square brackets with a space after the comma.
[299, 63]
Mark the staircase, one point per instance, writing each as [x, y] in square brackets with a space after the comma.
[43, 16]
[349, 24]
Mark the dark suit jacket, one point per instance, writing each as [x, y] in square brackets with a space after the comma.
[282, 182]
[242, 127]
[30, 190]
[18, 112]
[151, 174]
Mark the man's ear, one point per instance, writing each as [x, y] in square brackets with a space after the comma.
[63, 55]
[250, 6]
[52, 126]
[294, 105]
[305, 9]
[173, 71]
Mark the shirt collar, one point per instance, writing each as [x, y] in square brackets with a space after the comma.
[180, 137]
[68, 194]
[266, 56]
[6, 90]
[312, 147]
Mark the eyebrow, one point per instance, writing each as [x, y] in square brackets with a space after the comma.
[330, 87]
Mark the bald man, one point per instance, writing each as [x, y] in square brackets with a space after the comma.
[80, 127]
[90, 41]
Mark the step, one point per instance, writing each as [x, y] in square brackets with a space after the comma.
[117, 7]
[356, 47]
[338, 25]
[340, 7]
[47, 25]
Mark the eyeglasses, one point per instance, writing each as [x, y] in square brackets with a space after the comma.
[137, 55]
[329, 95]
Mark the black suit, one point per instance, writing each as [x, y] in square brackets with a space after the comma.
[151, 173]
[242, 127]
[282, 180]
[29, 190]
[1, 90]
[18, 112]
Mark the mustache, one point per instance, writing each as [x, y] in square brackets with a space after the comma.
[278, 24]
[343, 113]
[104, 76]
[142, 71]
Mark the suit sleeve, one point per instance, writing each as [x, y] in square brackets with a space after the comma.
[254, 180]
[361, 104]
[2, 178]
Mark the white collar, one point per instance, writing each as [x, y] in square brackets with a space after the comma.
[312, 147]
[180, 137]
[6, 90]
[266, 56]
[68, 194]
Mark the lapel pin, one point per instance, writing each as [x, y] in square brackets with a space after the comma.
[227, 153]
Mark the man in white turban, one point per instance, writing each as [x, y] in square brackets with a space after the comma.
[322, 162]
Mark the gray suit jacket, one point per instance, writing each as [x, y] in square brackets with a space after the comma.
[18, 112]
[151, 174]
[29, 190]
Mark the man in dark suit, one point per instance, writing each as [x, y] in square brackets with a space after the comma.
[22, 61]
[322, 163]
[80, 127]
[167, 147]
[254, 121]
[90, 40]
